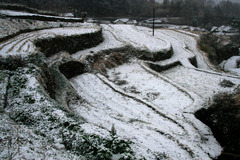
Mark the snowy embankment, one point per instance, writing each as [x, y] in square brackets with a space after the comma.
[110, 42]
[118, 36]
[128, 34]
[184, 48]
[26, 15]
[23, 44]
[157, 48]
[190, 78]
[231, 65]
[12, 27]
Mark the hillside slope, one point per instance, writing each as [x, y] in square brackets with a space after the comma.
[132, 96]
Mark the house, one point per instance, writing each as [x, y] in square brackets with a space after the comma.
[121, 21]
[149, 22]
[224, 29]
[90, 20]
[156, 21]
[214, 29]
[229, 29]
[132, 22]
[67, 15]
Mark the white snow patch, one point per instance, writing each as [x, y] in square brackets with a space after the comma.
[190, 78]
[129, 34]
[231, 65]
[110, 42]
[20, 13]
[155, 90]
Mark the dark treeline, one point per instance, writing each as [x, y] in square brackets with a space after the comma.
[194, 12]
[96, 8]
[201, 12]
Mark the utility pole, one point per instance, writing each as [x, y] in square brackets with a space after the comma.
[153, 27]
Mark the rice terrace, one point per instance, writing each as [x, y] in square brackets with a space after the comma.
[84, 88]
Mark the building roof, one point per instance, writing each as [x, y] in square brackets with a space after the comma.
[132, 22]
[124, 20]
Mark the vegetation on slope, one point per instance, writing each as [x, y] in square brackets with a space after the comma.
[219, 48]
[223, 117]
[26, 102]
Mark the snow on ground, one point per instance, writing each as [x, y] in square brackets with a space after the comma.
[189, 33]
[184, 47]
[141, 83]
[11, 26]
[24, 43]
[110, 42]
[20, 13]
[153, 110]
[117, 36]
[15, 13]
[181, 27]
[151, 132]
[204, 84]
[70, 31]
[231, 65]
[142, 41]
[174, 95]
[19, 142]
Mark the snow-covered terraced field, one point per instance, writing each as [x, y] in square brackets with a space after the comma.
[231, 65]
[128, 34]
[190, 78]
[153, 110]
[110, 42]
[20, 13]
[24, 44]
[184, 47]
[117, 36]
[139, 82]
[174, 95]
[151, 132]
[10, 27]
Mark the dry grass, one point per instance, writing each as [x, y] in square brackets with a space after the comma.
[109, 61]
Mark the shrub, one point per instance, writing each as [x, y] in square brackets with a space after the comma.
[207, 44]
[226, 83]
[224, 120]
[210, 51]
[29, 99]
[121, 82]
[17, 82]
[12, 62]
[160, 156]
[95, 147]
